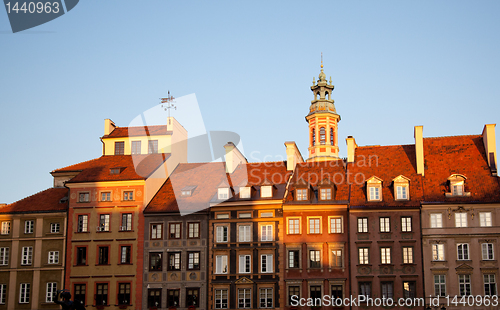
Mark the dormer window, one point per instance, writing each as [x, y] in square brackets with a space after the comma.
[326, 190]
[245, 192]
[223, 193]
[374, 193]
[187, 191]
[301, 194]
[401, 188]
[374, 189]
[457, 186]
[325, 193]
[266, 191]
[114, 171]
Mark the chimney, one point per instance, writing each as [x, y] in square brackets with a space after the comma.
[233, 157]
[419, 148]
[490, 146]
[293, 156]
[109, 126]
[351, 148]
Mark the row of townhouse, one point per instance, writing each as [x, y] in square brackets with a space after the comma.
[140, 228]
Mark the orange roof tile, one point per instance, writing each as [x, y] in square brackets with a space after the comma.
[154, 130]
[44, 201]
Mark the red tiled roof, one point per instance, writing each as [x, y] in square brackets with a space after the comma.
[252, 174]
[132, 167]
[464, 155]
[44, 201]
[154, 130]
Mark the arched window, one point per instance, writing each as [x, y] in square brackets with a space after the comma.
[327, 95]
[314, 137]
[331, 136]
[316, 96]
[322, 135]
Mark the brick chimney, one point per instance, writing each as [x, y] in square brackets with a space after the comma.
[351, 148]
[419, 149]
[293, 156]
[109, 126]
[490, 145]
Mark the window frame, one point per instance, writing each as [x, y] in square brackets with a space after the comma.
[246, 267]
[437, 222]
[485, 221]
[490, 285]
[177, 230]
[267, 264]
[154, 233]
[158, 262]
[4, 256]
[486, 246]
[408, 257]
[461, 220]
[439, 285]
[128, 254]
[78, 257]
[266, 191]
[55, 228]
[105, 287]
[265, 236]
[26, 256]
[103, 255]
[119, 148]
[406, 224]
[437, 251]
[196, 226]
[221, 264]
[134, 145]
[385, 256]
[53, 257]
[153, 147]
[267, 303]
[384, 224]
[126, 221]
[24, 293]
[464, 286]
[82, 223]
[121, 298]
[221, 303]
[463, 251]
[5, 228]
[335, 226]
[363, 256]
[363, 224]
[301, 194]
[247, 298]
[314, 259]
[50, 292]
[29, 227]
[196, 257]
[222, 233]
[174, 259]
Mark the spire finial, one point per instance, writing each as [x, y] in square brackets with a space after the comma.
[321, 59]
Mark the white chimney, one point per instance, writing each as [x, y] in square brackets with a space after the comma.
[351, 148]
[490, 146]
[419, 148]
[233, 157]
[293, 156]
[109, 126]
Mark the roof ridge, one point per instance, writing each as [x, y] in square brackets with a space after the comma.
[44, 190]
[390, 145]
[455, 136]
[83, 162]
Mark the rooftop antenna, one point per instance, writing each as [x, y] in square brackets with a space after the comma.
[167, 104]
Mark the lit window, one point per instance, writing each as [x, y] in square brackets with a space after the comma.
[325, 193]
[83, 223]
[402, 192]
[463, 251]
[266, 191]
[438, 252]
[174, 261]
[51, 293]
[315, 225]
[128, 195]
[28, 226]
[152, 146]
[222, 233]
[222, 216]
[457, 186]
[266, 214]
[266, 233]
[457, 189]
[125, 252]
[193, 260]
[460, 219]
[487, 251]
[485, 219]
[245, 215]
[126, 222]
[314, 259]
[301, 194]
[53, 257]
[5, 228]
[245, 263]
[363, 257]
[55, 228]
[362, 225]
[136, 147]
[294, 226]
[223, 193]
[406, 224]
[84, 197]
[119, 148]
[221, 264]
[407, 255]
[105, 196]
[294, 259]
[335, 225]
[440, 285]
[103, 222]
[374, 193]
[156, 231]
[490, 285]
[266, 263]
[175, 231]
[193, 230]
[464, 284]
[337, 258]
[245, 192]
[436, 220]
[385, 224]
[385, 255]
[409, 289]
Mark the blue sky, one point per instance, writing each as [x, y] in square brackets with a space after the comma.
[394, 64]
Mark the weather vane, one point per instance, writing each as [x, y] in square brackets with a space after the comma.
[167, 104]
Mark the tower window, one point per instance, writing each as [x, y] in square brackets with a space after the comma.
[322, 135]
[314, 137]
[327, 95]
[331, 136]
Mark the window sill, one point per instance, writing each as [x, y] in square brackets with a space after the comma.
[102, 264]
[80, 265]
[125, 264]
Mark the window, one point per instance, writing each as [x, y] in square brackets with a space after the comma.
[83, 221]
[79, 291]
[152, 146]
[245, 264]
[363, 257]
[125, 252]
[245, 233]
[314, 259]
[322, 135]
[313, 138]
[462, 251]
[490, 286]
[387, 290]
[101, 296]
[440, 285]
[156, 231]
[244, 297]
[27, 255]
[120, 148]
[4, 256]
[114, 171]
[293, 291]
[464, 284]
[105, 196]
[266, 233]
[3, 293]
[245, 215]
[128, 195]
[486, 249]
[406, 223]
[385, 255]
[81, 256]
[223, 193]
[221, 299]
[266, 297]
[222, 216]
[331, 136]
[51, 292]
[301, 194]
[136, 147]
[55, 228]
[193, 230]
[221, 264]
[124, 294]
[266, 263]
[385, 224]
[325, 194]
[155, 261]
[266, 191]
[84, 197]
[315, 292]
[294, 259]
[362, 224]
[126, 222]
[28, 226]
[24, 293]
[365, 288]
[315, 225]
[5, 228]
[335, 225]
[457, 189]
[460, 219]
[103, 222]
[293, 226]
[53, 257]
[154, 297]
[245, 192]
[175, 231]
[192, 297]
[174, 261]
[374, 193]
[337, 291]
[436, 220]
[221, 232]
[409, 289]
[193, 260]
[266, 214]
[437, 252]
[407, 255]
[402, 192]
[103, 258]
[485, 219]
[337, 258]
[173, 298]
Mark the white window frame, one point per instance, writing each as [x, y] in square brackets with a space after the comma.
[461, 219]
[374, 193]
[244, 294]
[84, 223]
[51, 292]
[104, 225]
[293, 225]
[385, 255]
[245, 233]
[385, 224]
[245, 192]
[194, 230]
[29, 226]
[437, 252]
[4, 256]
[266, 191]
[402, 192]
[436, 220]
[127, 224]
[219, 298]
[301, 194]
[440, 284]
[487, 251]
[406, 224]
[24, 293]
[55, 228]
[222, 233]
[336, 224]
[485, 219]
[363, 256]
[84, 197]
[221, 264]
[462, 251]
[489, 282]
[314, 225]
[407, 255]
[5, 228]
[245, 263]
[325, 193]
[335, 257]
[3, 294]
[223, 193]
[266, 232]
[106, 196]
[267, 292]
[266, 263]
[53, 257]
[27, 255]
[362, 224]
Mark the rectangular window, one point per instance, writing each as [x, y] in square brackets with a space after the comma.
[128, 195]
[125, 254]
[124, 294]
[325, 194]
[245, 192]
[314, 259]
[363, 256]
[156, 230]
[28, 226]
[24, 293]
[385, 224]
[84, 197]
[387, 290]
[486, 249]
[337, 258]
[155, 261]
[294, 259]
[293, 291]
[406, 223]
[485, 219]
[362, 224]
[266, 191]
[315, 225]
[221, 264]
[27, 255]
[192, 297]
[337, 291]
[101, 296]
[173, 298]
[374, 193]
[222, 233]
[402, 192]
[103, 222]
[53, 257]
[464, 284]
[294, 226]
[301, 194]
[266, 233]
[223, 193]
[436, 220]
[105, 196]
[385, 255]
[174, 261]
[315, 291]
[438, 252]
[457, 189]
[152, 146]
[407, 255]
[245, 215]
[245, 233]
[490, 285]
[5, 228]
[3, 293]
[222, 216]
[335, 225]
[4, 256]
[193, 260]
[440, 285]
[266, 263]
[245, 264]
[51, 292]
[221, 299]
[460, 219]
[462, 251]
[193, 230]
[154, 297]
[79, 291]
[120, 148]
[83, 221]
[266, 297]
[55, 228]
[103, 252]
[175, 231]
[365, 288]
[409, 289]
[244, 298]
[81, 256]
[126, 222]
[136, 147]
